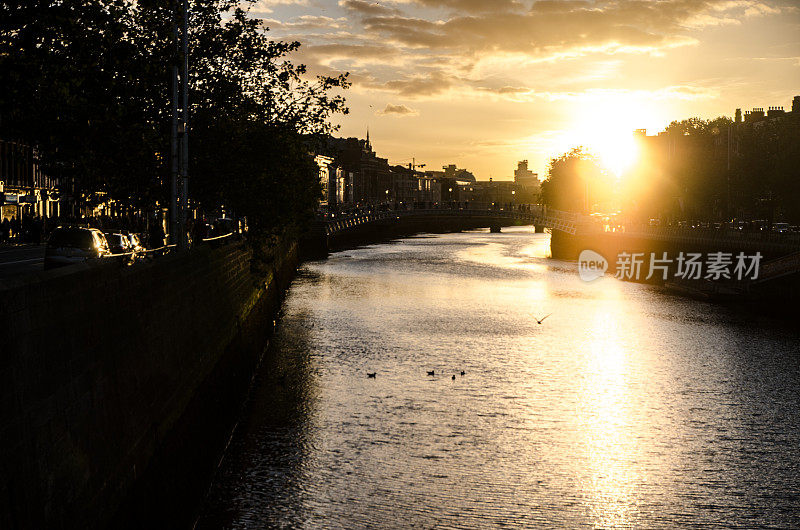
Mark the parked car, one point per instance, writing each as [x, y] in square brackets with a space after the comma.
[223, 226]
[68, 245]
[118, 243]
[120, 246]
[136, 243]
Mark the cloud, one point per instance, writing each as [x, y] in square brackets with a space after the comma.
[550, 26]
[434, 83]
[398, 111]
[478, 6]
[265, 6]
[368, 8]
[756, 9]
[433, 53]
[511, 93]
[676, 92]
[306, 23]
[326, 53]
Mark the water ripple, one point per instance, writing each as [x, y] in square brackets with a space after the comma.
[628, 408]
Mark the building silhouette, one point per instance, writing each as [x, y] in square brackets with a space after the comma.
[528, 184]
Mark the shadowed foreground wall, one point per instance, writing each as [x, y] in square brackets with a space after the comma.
[106, 372]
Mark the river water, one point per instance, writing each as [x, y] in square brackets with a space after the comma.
[626, 407]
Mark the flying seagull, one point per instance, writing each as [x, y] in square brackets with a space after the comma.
[542, 320]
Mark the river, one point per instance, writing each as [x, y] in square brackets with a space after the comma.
[626, 407]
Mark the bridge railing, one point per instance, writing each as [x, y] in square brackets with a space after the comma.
[715, 234]
[777, 268]
[534, 214]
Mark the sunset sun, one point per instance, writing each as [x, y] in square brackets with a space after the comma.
[606, 126]
[616, 148]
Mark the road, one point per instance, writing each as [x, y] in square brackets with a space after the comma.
[15, 261]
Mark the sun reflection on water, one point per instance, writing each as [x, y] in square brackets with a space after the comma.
[495, 255]
[605, 402]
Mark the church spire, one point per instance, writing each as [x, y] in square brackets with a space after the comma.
[369, 146]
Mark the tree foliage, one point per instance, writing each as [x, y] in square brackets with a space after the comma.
[575, 182]
[90, 81]
[718, 170]
[709, 170]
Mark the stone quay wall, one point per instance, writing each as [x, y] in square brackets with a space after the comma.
[111, 375]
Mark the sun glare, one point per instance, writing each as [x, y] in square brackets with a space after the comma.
[616, 148]
[606, 125]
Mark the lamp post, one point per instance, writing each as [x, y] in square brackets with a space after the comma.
[180, 132]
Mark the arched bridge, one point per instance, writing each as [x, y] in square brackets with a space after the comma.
[473, 217]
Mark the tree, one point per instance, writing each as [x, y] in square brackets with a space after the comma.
[681, 173]
[89, 83]
[717, 170]
[249, 124]
[575, 182]
[66, 71]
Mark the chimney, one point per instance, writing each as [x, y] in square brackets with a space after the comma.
[775, 112]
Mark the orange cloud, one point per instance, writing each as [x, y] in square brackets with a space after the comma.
[397, 111]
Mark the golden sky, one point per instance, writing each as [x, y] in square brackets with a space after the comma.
[485, 83]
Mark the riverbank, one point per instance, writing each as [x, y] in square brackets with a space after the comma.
[320, 240]
[120, 385]
[773, 282]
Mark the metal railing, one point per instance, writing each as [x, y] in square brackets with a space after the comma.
[713, 234]
[534, 214]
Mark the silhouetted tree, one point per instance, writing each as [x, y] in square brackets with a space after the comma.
[252, 109]
[575, 182]
[716, 170]
[70, 83]
[89, 83]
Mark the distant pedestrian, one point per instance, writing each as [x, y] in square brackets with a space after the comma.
[36, 230]
[15, 228]
[199, 231]
[156, 236]
[5, 230]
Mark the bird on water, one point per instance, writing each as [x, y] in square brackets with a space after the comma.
[542, 320]
[372, 375]
[462, 373]
[454, 377]
[432, 372]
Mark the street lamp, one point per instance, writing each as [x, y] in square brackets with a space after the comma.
[180, 133]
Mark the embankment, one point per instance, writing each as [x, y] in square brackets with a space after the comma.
[779, 294]
[120, 385]
[611, 244]
[317, 243]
